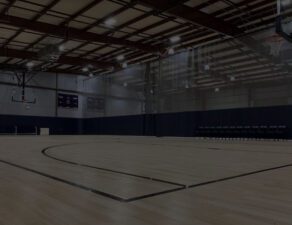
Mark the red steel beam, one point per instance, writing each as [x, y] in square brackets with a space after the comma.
[195, 16]
[7, 7]
[20, 54]
[62, 31]
[40, 14]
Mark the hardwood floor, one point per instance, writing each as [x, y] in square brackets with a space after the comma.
[144, 180]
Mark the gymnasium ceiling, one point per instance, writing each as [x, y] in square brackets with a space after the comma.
[99, 32]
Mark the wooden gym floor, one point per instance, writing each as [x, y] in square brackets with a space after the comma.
[109, 180]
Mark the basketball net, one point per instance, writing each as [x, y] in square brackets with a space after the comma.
[275, 42]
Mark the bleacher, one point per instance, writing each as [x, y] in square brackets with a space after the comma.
[252, 132]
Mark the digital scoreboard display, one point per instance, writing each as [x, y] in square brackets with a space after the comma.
[67, 101]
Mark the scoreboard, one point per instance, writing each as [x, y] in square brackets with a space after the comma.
[67, 101]
[95, 104]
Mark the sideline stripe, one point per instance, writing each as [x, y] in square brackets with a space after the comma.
[46, 153]
[65, 181]
[239, 176]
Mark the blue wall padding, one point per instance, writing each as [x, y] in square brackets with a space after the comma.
[27, 124]
[182, 124]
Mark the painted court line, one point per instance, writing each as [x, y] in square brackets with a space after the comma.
[120, 199]
[46, 153]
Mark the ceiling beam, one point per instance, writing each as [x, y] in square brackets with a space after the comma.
[36, 17]
[20, 54]
[81, 11]
[14, 67]
[67, 21]
[199, 33]
[216, 24]
[194, 16]
[42, 12]
[7, 7]
[73, 33]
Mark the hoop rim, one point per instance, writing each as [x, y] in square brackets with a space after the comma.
[275, 38]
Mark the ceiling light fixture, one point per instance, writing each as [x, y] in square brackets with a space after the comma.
[110, 22]
[85, 69]
[171, 51]
[232, 78]
[61, 48]
[175, 39]
[206, 67]
[29, 65]
[120, 57]
[124, 65]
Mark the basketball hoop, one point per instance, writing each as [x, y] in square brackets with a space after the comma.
[282, 6]
[22, 84]
[275, 43]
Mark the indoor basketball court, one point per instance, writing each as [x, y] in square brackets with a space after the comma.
[145, 112]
